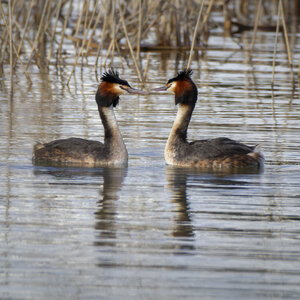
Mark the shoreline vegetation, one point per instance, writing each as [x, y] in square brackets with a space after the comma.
[40, 32]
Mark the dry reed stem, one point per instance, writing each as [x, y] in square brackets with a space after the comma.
[108, 52]
[64, 28]
[93, 31]
[146, 69]
[207, 14]
[54, 29]
[255, 25]
[89, 27]
[41, 25]
[113, 12]
[11, 57]
[128, 42]
[173, 18]
[77, 42]
[120, 54]
[275, 47]
[288, 49]
[138, 43]
[100, 46]
[151, 24]
[299, 75]
[194, 35]
[14, 49]
[25, 28]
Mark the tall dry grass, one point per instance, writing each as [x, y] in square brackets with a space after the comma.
[40, 32]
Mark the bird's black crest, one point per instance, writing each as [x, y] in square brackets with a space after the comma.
[113, 77]
[185, 74]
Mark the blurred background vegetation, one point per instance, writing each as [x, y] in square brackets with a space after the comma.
[41, 33]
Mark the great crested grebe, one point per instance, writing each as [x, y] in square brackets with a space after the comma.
[214, 154]
[86, 153]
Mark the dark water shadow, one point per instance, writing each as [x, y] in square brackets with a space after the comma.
[106, 211]
[182, 231]
[105, 216]
[181, 180]
[67, 172]
[220, 179]
[112, 183]
[177, 183]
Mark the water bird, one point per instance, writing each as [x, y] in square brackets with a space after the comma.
[87, 153]
[219, 154]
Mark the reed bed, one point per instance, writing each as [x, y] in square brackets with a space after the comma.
[37, 32]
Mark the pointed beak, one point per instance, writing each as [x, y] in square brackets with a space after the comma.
[131, 90]
[159, 89]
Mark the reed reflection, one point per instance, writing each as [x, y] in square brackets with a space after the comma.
[183, 228]
[105, 222]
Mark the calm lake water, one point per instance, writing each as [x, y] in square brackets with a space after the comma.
[151, 231]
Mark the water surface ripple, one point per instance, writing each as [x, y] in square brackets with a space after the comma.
[151, 231]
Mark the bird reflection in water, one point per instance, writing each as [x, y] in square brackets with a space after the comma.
[183, 230]
[105, 215]
[177, 178]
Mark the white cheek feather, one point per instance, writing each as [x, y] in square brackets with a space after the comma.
[118, 90]
[171, 89]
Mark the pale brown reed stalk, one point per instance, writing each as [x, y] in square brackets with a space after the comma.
[64, 28]
[11, 54]
[146, 69]
[174, 21]
[100, 45]
[258, 14]
[128, 43]
[87, 26]
[275, 46]
[113, 21]
[25, 29]
[41, 26]
[14, 49]
[195, 34]
[54, 29]
[94, 29]
[151, 11]
[299, 77]
[287, 43]
[138, 43]
[108, 51]
[77, 42]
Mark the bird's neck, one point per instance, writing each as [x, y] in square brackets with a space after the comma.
[181, 123]
[112, 135]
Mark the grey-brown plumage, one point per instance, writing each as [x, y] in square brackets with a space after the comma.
[87, 153]
[216, 154]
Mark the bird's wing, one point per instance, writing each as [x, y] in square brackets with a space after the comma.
[220, 147]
